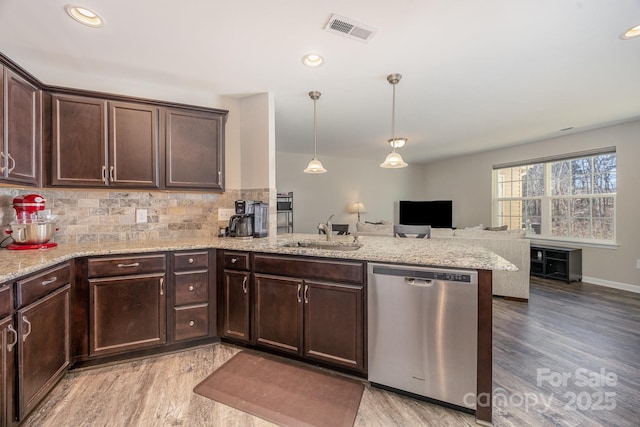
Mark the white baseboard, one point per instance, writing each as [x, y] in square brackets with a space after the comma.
[612, 284]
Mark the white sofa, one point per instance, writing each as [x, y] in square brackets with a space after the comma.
[510, 245]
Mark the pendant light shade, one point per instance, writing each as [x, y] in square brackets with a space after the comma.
[394, 159]
[314, 165]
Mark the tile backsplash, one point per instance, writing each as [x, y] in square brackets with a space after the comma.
[107, 215]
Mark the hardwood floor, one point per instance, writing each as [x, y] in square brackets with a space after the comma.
[573, 331]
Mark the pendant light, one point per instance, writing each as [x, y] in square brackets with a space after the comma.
[394, 159]
[314, 165]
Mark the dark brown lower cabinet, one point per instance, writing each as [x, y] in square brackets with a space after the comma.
[8, 340]
[279, 313]
[318, 320]
[236, 308]
[334, 323]
[43, 347]
[126, 313]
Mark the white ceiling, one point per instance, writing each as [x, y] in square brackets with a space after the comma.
[477, 74]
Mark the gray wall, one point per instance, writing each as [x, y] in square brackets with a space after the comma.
[468, 183]
[316, 196]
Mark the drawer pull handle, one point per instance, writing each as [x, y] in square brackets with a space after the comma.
[234, 260]
[191, 260]
[192, 323]
[191, 287]
[15, 337]
[299, 293]
[49, 281]
[24, 337]
[133, 264]
[244, 284]
[162, 286]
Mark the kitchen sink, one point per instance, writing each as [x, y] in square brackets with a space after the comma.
[331, 246]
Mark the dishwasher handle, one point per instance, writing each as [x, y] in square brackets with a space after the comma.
[421, 283]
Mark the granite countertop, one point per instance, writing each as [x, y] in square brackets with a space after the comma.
[428, 252]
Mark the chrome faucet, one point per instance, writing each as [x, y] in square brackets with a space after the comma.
[328, 229]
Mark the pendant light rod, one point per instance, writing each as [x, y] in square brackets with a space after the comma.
[393, 79]
[314, 94]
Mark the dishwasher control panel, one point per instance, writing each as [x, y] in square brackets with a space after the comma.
[470, 277]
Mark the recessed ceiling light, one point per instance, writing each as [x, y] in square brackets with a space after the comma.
[312, 60]
[631, 33]
[84, 16]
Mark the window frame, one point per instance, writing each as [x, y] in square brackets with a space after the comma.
[547, 198]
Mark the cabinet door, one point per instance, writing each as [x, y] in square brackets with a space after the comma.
[278, 316]
[79, 148]
[194, 149]
[334, 323]
[133, 145]
[8, 340]
[22, 130]
[44, 347]
[126, 313]
[236, 305]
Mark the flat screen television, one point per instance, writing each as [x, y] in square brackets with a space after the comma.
[436, 213]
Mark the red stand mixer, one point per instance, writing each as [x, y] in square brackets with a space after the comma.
[31, 230]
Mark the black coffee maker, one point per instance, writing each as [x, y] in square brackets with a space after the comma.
[251, 220]
[241, 226]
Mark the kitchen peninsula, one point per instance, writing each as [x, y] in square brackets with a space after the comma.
[272, 252]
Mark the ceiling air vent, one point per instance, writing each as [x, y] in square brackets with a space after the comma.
[349, 28]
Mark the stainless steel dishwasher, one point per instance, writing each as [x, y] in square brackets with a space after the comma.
[422, 332]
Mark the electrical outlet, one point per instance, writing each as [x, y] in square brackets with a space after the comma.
[225, 214]
[638, 264]
[141, 215]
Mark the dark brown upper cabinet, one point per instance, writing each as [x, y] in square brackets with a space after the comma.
[194, 149]
[99, 143]
[21, 130]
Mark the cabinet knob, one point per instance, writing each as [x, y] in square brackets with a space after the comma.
[191, 260]
[234, 260]
[191, 287]
[191, 323]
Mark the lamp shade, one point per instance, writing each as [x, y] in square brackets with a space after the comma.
[393, 161]
[315, 166]
[357, 207]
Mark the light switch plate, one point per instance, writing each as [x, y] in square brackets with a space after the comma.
[141, 215]
[225, 214]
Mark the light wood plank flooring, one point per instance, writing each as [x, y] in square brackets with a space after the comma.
[571, 330]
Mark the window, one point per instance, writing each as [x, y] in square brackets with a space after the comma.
[564, 198]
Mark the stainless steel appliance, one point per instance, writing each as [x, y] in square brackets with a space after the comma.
[260, 219]
[34, 226]
[241, 226]
[423, 332]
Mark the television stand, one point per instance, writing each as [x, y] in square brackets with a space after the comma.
[553, 262]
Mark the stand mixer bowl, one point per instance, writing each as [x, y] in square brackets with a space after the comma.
[34, 233]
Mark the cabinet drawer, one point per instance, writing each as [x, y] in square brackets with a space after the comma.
[191, 322]
[189, 260]
[191, 287]
[34, 287]
[6, 300]
[331, 270]
[236, 260]
[121, 266]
